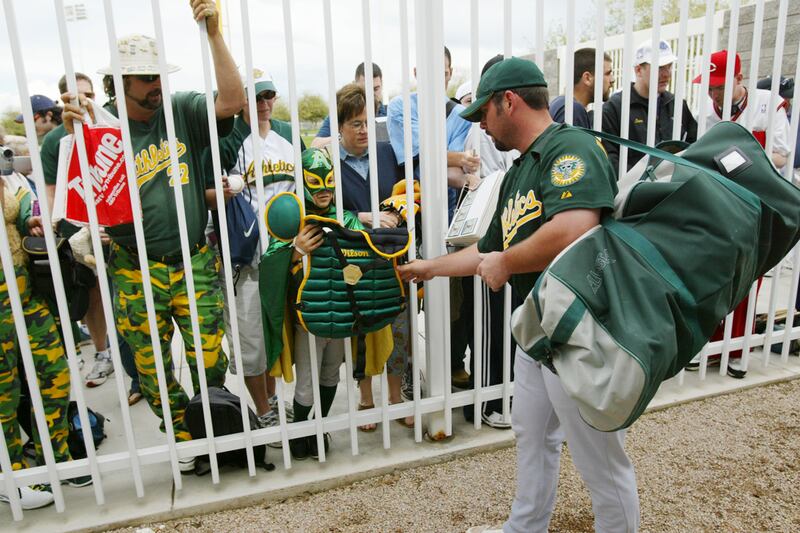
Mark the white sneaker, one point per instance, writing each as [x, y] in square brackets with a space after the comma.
[273, 403]
[186, 465]
[32, 497]
[100, 371]
[495, 420]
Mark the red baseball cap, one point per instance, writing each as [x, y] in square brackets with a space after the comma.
[719, 62]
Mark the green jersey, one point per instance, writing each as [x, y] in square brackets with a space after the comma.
[154, 174]
[564, 168]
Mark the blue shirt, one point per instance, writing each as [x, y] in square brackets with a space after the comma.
[579, 115]
[457, 128]
[325, 129]
[359, 163]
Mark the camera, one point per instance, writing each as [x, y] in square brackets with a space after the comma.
[6, 160]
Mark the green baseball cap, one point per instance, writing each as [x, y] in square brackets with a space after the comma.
[507, 74]
[262, 81]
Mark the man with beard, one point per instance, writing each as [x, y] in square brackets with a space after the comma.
[640, 94]
[583, 88]
[554, 192]
[148, 129]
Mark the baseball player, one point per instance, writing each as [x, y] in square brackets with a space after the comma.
[554, 192]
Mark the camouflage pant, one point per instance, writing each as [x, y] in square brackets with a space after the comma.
[171, 302]
[52, 372]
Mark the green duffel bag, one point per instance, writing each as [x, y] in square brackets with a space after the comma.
[630, 302]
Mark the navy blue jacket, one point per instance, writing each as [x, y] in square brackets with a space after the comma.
[355, 189]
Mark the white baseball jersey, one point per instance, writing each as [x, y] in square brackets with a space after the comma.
[754, 116]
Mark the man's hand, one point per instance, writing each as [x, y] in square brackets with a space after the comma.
[469, 163]
[472, 181]
[206, 9]
[417, 270]
[386, 219]
[493, 270]
[227, 191]
[74, 110]
[35, 227]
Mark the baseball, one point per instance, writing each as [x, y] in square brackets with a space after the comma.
[236, 183]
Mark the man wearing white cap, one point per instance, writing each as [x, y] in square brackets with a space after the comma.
[464, 93]
[640, 94]
[148, 129]
[277, 169]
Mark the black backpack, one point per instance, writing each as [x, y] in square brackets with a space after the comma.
[97, 423]
[226, 418]
[78, 278]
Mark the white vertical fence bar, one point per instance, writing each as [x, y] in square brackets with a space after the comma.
[507, 28]
[599, 65]
[748, 332]
[755, 54]
[789, 324]
[224, 240]
[702, 113]
[102, 274]
[793, 124]
[776, 74]
[299, 186]
[416, 360]
[144, 267]
[655, 71]
[477, 300]
[726, 344]
[433, 169]
[733, 31]
[773, 302]
[262, 225]
[24, 348]
[258, 156]
[507, 353]
[177, 188]
[680, 72]
[5, 459]
[627, 66]
[337, 173]
[63, 311]
[569, 61]
[474, 44]
[374, 200]
[540, 32]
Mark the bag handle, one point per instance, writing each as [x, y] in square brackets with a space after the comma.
[734, 187]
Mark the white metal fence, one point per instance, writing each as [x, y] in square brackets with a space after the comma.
[434, 400]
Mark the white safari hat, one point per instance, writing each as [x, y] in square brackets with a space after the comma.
[644, 53]
[138, 54]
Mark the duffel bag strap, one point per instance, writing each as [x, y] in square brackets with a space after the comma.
[734, 187]
[543, 349]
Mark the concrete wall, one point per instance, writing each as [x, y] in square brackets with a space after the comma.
[744, 40]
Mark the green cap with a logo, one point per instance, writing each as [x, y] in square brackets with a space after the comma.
[509, 73]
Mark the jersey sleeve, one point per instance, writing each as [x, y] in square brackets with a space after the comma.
[49, 155]
[325, 129]
[577, 176]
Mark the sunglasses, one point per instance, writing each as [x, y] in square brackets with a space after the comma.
[147, 78]
[265, 96]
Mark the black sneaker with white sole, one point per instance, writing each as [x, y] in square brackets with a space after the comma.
[312, 444]
[78, 481]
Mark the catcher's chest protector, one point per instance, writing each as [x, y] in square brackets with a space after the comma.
[351, 286]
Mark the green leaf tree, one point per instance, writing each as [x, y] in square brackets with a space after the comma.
[312, 108]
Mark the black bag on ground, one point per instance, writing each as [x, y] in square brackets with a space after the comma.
[226, 419]
[78, 278]
[97, 422]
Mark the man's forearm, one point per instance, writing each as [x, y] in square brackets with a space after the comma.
[461, 263]
[230, 98]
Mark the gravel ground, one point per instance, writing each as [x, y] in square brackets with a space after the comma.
[730, 463]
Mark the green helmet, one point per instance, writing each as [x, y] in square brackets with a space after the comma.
[317, 174]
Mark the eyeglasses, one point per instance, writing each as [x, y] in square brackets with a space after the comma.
[356, 125]
[147, 78]
[265, 96]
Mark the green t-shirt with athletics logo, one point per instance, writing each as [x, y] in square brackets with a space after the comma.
[154, 175]
[565, 168]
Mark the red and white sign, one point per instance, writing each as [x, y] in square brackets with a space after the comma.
[108, 176]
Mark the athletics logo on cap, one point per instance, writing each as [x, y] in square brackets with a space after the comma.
[566, 170]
